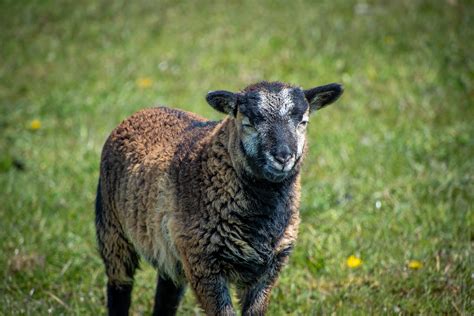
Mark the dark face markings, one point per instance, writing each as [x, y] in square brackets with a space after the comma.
[272, 135]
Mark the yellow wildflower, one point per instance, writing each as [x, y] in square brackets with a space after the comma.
[415, 264]
[353, 262]
[389, 40]
[144, 82]
[371, 73]
[35, 124]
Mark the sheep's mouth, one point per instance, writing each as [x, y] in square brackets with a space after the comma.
[274, 174]
[265, 167]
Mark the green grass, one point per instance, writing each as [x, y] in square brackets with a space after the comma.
[400, 138]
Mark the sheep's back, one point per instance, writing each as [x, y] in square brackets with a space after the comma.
[137, 182]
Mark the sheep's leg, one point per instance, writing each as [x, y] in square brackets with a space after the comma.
[255, 299]
[213, 294]
[121, 261]
[119, 257]
[167, 297]
[118, 298]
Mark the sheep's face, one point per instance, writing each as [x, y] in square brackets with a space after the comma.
[271, 121]
[272, 126]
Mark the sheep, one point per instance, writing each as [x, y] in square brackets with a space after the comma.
[207, 203]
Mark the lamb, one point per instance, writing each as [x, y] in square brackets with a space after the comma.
[206, 203]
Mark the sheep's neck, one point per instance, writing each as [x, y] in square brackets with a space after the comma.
[266, 193]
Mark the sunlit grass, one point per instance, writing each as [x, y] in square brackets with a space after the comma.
[389, 177]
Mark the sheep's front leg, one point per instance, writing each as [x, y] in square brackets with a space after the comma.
[213, 294]
[168, 295]
[255, 299]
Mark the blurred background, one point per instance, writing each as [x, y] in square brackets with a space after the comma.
[388, 185]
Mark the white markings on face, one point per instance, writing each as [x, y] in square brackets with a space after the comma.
[246, 121]
[249, 137]
[280, 103]
[301, 135]
[300, 144]
[279, 166]
[286, 102]
[275, 117]
[305, 117]
[265, 102]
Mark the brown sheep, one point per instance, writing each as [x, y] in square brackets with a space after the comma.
[206, 203]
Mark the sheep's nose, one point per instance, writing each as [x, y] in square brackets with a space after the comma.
[283, 154]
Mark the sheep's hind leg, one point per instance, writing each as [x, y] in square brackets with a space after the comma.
[120, 260]
[167, 297]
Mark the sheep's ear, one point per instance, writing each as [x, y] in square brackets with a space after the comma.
[321, 96]
[223, 101]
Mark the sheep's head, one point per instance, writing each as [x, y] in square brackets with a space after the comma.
[271, 120]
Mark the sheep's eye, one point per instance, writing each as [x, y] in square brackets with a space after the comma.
[303, 124]
[249, 128]
[247, 125]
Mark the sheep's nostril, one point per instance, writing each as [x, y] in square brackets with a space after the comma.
[283, 154]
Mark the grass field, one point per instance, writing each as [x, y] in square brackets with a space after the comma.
[389, 177]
